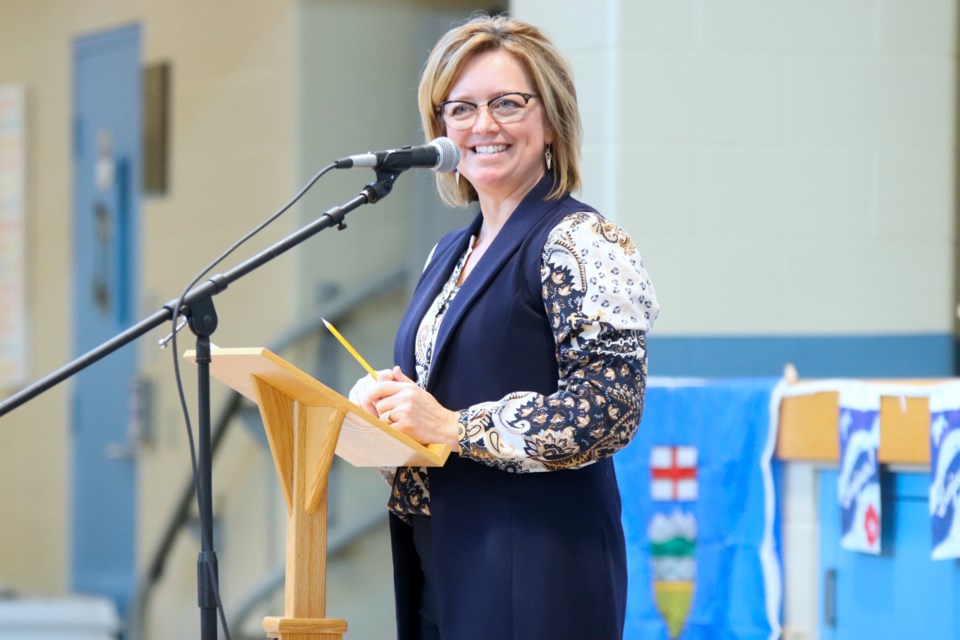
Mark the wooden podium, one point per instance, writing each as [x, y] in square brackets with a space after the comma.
[306, 423]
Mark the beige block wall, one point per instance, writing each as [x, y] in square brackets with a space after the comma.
[231, 164]
[33, 441]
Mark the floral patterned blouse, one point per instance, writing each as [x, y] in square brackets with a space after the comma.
[600, 304]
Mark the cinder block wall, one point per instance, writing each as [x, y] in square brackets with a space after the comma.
[231, 164]
[786, 168]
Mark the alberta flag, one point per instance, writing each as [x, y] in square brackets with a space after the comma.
[698, 513]
[858, 485]
[945, 471]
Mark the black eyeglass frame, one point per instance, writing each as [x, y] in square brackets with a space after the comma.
[527, 97]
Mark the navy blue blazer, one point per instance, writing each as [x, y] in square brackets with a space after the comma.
[522, 556]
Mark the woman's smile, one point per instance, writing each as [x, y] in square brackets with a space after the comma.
[489, 149]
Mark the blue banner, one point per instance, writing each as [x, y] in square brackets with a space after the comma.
[698, 513]
[945, 471]
[858, 484]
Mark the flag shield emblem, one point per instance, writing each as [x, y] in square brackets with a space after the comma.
[672, 532]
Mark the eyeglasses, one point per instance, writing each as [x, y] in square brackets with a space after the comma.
[460, 114]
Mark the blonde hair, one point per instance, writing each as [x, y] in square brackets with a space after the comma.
[546, 68]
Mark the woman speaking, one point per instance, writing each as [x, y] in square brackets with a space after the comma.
[524, 349]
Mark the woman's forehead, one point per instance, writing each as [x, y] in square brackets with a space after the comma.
[488, 75]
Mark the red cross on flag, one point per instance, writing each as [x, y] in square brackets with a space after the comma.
[673, 473]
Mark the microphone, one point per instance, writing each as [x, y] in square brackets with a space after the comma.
[439, 154]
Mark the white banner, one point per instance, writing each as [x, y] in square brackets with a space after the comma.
[858, 486]
[945, 471]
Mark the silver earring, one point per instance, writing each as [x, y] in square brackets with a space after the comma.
[456, 176]
[548, 156]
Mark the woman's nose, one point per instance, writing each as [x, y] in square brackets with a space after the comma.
[485, 120]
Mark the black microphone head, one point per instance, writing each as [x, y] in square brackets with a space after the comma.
[448, 155]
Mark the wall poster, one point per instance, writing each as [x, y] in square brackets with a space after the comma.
[13, 171]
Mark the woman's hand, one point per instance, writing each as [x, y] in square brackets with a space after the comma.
[400, 402]
[360, 393]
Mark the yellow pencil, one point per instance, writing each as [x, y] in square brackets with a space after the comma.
[349, 347]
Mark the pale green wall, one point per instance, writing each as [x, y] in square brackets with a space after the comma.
[784, 167]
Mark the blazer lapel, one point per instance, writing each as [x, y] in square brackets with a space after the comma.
[434, 276]
[505, 245]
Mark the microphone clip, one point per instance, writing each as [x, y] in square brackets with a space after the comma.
[382, 186]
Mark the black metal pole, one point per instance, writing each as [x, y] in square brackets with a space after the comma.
[203, 322]
[69, 370]
[207, 560]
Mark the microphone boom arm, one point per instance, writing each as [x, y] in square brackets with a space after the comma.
[371, 193]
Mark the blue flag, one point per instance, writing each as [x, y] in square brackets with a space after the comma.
[698, 513]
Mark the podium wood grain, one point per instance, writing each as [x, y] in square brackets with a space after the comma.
[365, 441]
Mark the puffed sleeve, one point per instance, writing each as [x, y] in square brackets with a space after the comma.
[600, 304]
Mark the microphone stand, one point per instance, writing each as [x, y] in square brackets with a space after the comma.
[201, 315]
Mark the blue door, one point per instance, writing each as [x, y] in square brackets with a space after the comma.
[106, 72]
[898, 594]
